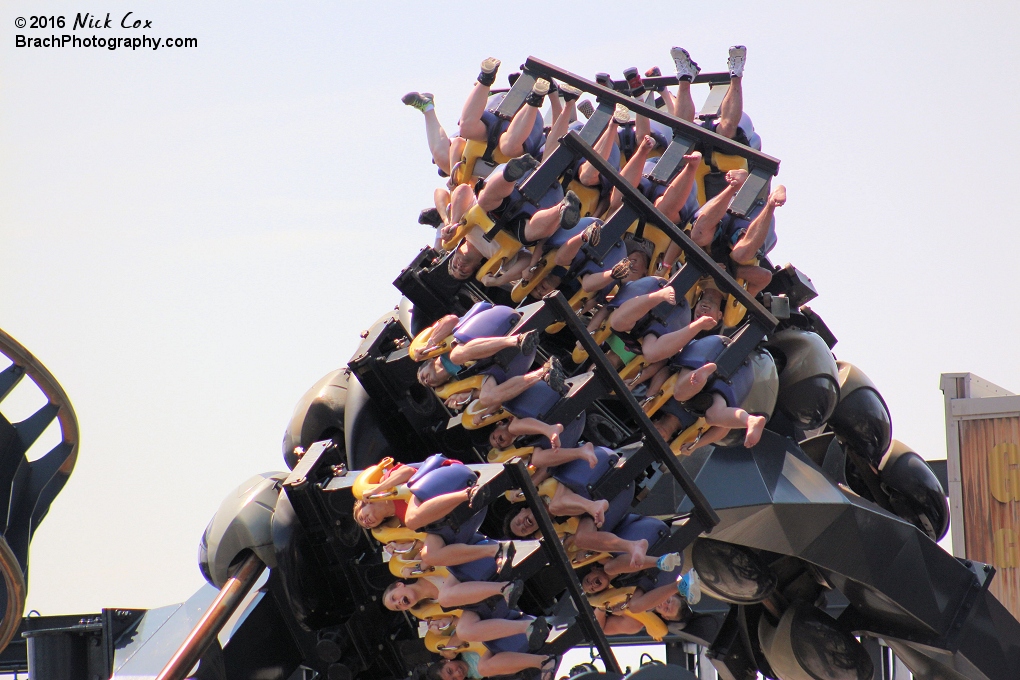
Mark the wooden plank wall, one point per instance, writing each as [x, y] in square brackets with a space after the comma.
[990, 470]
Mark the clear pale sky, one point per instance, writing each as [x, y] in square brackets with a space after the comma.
[191, 237]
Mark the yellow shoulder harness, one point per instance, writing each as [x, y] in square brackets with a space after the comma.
[369, 478]
[457, 386]
[508, 247]
[691, 434]
[654, 402]
[475, 416]
[403, 568]
[421, 341]
[394, 531]
[503, 455]
[437, 642]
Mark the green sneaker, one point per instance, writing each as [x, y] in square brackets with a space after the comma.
[423, 101]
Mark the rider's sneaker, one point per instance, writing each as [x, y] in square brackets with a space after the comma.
[423, 101]
[637, 88]
[488, 73]
[569, 92]
[538, 92]
[689, 587]
[586, 108]
[621, 115]
[654, 72]
[518, 167]
[738, 55]
[430, 217]
[571, 213]
[670, 561]
[686, 68]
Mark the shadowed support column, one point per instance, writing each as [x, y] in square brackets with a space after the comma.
[209, 626]
[558, 557]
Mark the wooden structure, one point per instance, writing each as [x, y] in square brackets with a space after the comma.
[983, 450]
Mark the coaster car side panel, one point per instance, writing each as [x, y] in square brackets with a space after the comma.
[899, 583]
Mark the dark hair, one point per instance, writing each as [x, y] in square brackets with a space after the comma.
[390, 588]
[682, 614]
[480, 436]
[434, 671]
[515, 510]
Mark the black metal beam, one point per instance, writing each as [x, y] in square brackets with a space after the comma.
[695, 255]
[558, 557]
[670, 159]
[549, 171]
[756, 159]
[653, 440]
[746, 339]
[679, 539]
[612, 231]
[710, 78]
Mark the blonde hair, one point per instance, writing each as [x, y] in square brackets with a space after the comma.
[358, 506]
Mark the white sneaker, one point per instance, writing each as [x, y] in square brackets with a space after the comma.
[689, 587]
[686, 68]
[621, 115]
[670, 561]
[738, 55]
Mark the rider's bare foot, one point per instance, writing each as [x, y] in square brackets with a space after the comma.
[588, 454]
[735, 178]
[648, 143]
[667, 294]
[693, 158]
[598, 512]
[638, 553]
[693, 382]
[778, 196]
[554, 435]
[755, 426]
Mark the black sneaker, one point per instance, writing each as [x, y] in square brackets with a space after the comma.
[555, 377]
[529, 342]
[512, 593]
[538, 92]
[569, 92]
[430, 217]
[538, 631]
[620, 270]
[587, 108]
[593, 234]
[526, 344]
[505, 560]
[571, 213]
[518, 167]
[488, 74]
[480, 497]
